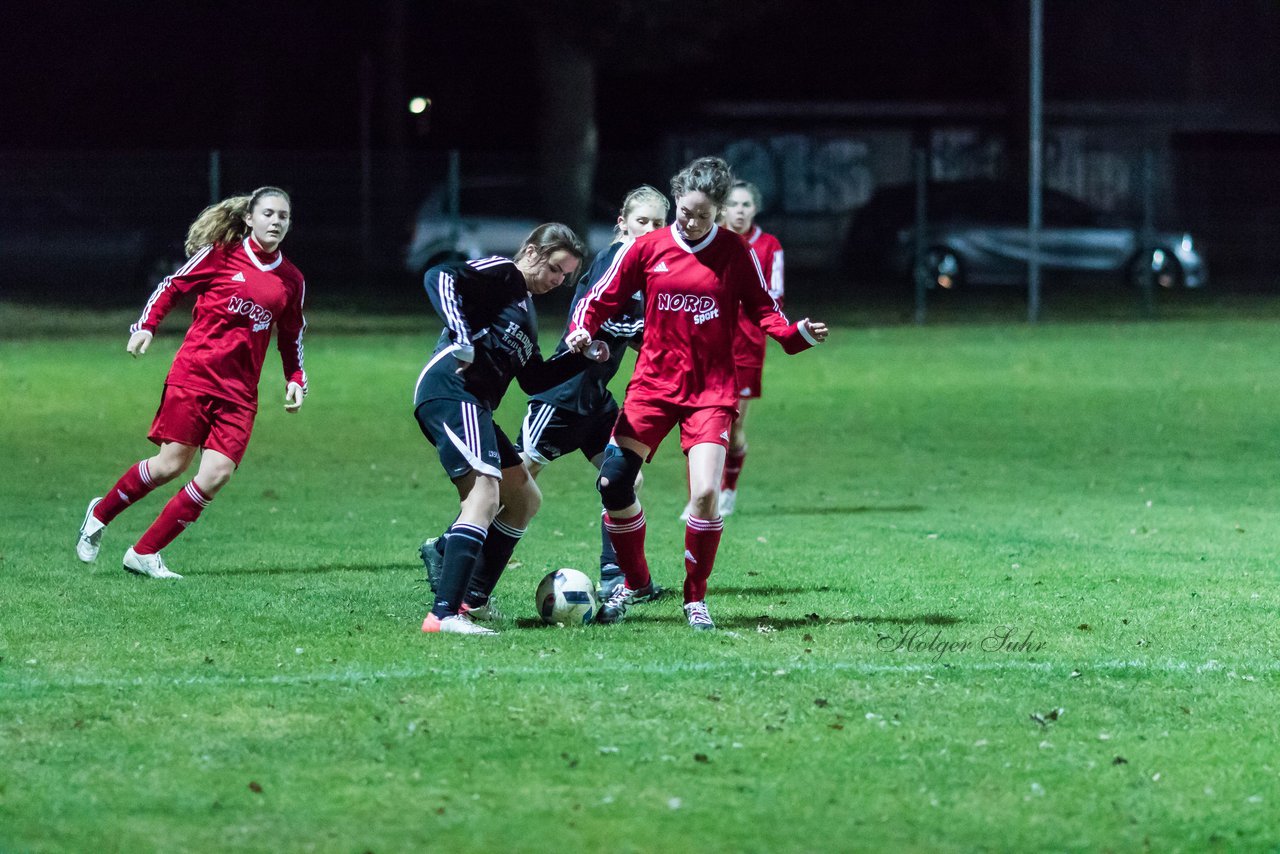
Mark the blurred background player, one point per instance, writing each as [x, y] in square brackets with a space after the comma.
[579, 415]
[739, 213]
[696, 279]
[740, 210]
[490, 338]
[243, 286]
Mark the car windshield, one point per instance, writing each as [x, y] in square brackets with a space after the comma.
[492, 198]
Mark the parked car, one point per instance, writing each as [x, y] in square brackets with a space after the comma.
[977, 235]
[484, 224]
[54, 246]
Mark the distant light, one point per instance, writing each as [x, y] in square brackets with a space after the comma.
[419, 105]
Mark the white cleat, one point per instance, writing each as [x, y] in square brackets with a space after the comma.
[151, 566]
[90, 535]
[699, 619]
[686, 512]
[486, 613]
[458, 624]
[728, 498]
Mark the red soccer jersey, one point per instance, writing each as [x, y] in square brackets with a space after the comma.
[692, 298]
[241, 291]
[748, 346]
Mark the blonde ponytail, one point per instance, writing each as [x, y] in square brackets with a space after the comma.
[224, 223]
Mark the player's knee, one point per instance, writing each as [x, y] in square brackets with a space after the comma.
[703, 496]
[169, 463]
[529, 501]
[618, 475]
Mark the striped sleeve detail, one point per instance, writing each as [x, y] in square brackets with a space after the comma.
[302, 328]
[755, 262]
[623, 330]
[150, 316]
[776, 287]
[609, 276]
[490, 262]
[446, 288]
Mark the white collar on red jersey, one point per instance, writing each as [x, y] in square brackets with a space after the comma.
[756, 231]
[701, 244]
[248, 250]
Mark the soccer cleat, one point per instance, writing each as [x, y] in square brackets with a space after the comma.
[90, 535]
[699, 619]
[151, 565]
[651, 592]
[486, 613]
[615, 610]
[611, 578]
[728, 498]
[686, 512]
[458, 624]
[433, 560]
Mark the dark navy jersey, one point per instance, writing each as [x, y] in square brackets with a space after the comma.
[588, 392]
[502, 339]
[468, 295]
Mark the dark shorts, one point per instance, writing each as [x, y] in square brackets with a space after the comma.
[466, 438]
[202, 421]
[649, 422]
[750, 378]
[549, 432]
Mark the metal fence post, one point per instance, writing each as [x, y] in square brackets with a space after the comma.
[922, 221]
[452, 200]
[1147, 240]
[1034, 171]
[215, 176]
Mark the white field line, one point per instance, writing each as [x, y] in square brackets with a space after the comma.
[754, 669]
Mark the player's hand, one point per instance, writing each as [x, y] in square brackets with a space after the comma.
[293, 395]
[465, 356]
[138, 343]
[816, 328]
[597, 351]
[578, 340]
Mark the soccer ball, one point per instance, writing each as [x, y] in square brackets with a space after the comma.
[566, 596]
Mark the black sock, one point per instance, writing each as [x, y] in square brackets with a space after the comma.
[607, 554]
[461, 549]
[498, 546]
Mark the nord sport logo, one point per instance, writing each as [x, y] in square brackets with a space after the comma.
[703, 308]
[260, 316]
[686, 302]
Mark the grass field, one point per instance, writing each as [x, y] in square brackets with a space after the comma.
[990, 587]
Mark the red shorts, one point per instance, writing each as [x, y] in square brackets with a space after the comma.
[749, 379]
[201, 420]
[649, 422]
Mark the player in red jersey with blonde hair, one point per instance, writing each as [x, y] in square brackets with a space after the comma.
[243, 286]
[696, 277]
[740, 212]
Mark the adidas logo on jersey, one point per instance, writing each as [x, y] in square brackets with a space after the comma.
[238, 277]
[661, 268]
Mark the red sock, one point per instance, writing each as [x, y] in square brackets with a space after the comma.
[701, 542]
[627, 536]
[182, 510]
[134, 484]
[732, 469]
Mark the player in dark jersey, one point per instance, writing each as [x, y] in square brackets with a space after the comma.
[490, 338]
[243, 286]
[578, 415]
[696, 278]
